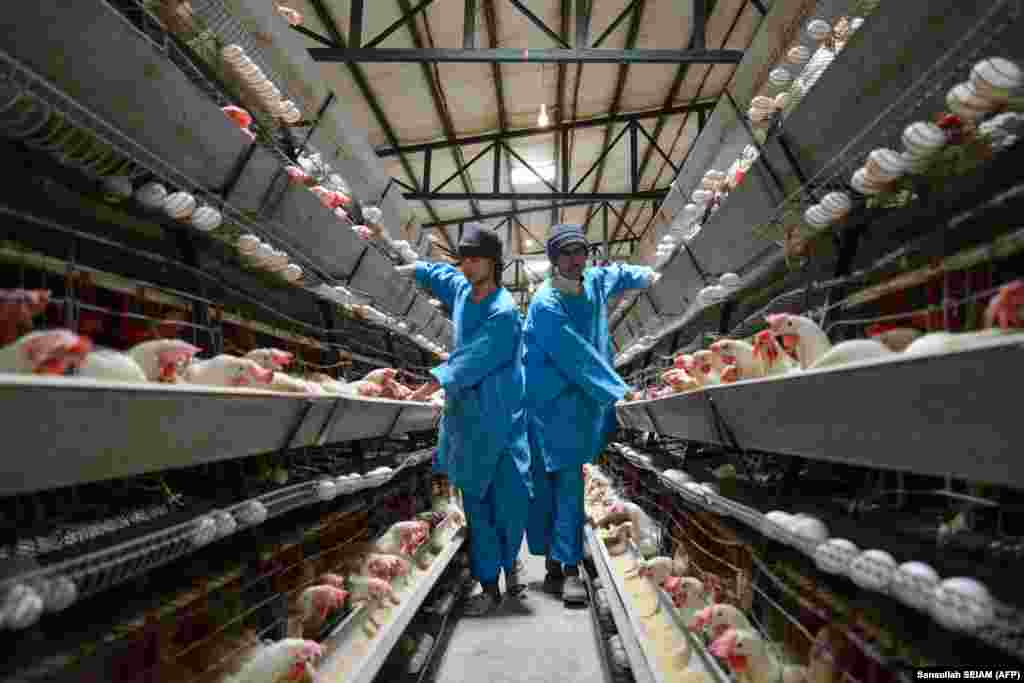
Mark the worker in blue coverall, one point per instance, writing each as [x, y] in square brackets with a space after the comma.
[573, 386]
[483, 447]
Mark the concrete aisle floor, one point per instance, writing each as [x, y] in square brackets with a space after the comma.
[533, 640]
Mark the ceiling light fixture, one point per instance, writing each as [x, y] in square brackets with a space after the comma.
[542, 117]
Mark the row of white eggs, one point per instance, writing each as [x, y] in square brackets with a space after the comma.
[24, 603]
[181, 206]
[221, 523]
[263, 255]
[958, 603]
[253, 76]
[727, 283]
[833, 206]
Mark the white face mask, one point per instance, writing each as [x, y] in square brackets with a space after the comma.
[564, 284]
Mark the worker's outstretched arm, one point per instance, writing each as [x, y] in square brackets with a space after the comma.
[619, 277]
[493, 346]
[576, 358]
[440, 279]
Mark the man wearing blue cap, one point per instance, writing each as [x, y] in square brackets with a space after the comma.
[573, 388]
[483, 446]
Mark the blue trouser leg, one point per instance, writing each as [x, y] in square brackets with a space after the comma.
[567, 537]
[540, 523]
[496, 522]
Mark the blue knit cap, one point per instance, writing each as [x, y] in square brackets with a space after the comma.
[564, 235]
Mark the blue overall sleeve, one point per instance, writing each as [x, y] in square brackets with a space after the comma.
[440, 279]
[619, 277]
[576, 358]
[494, 345]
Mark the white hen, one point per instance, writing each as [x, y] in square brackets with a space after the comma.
[162, 359]
[49, 352]
[108, 364]
[228, 371]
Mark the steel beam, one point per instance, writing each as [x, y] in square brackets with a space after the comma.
[355, 24]
[359, 76]
[434, 85]
[583, 11]
[704, 105]
[620, 88]
[397, 24]
[614, 25]
[469, 26]
[505, 214]
[644, 195]
[510, 55]
[536, 21]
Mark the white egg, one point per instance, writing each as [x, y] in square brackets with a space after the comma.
[702, 197]
[292, 273]
[206, 218]
[810, 530]
[226, 524]
[179, 205]
[21, 607]
[872, 570]
[690, 212]
[729, 280]
[711, 294]
[252, 513]
[963, 604]
[61, 594]
[326, 490]
[205, 531]
[372, 214]
[913, 584]
[835, 555]
[774, 523]
[819, 29]
[248, 244]
[677, 476]
[117, 188]
[780, 76]
[151, 195]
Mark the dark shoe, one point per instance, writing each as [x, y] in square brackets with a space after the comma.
[514, 585]
[554, 577]
[573, 590]
[483, 603]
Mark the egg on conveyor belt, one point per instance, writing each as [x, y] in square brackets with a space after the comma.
[205, 531]
[962, 604]
[151, 195]
[780, 76]
[226, 524]
[116, 189]
[913, 584]
[248, 244]
[206, 218]
[58, 592]
[20, 607]
[326, 490]
[179, 205]
[775, 523]
[819, 29]
[809, 530]
[677, 476]
[292, 273]
[835, 555]
[372, 214]
[872, 570]
[996, 79]
[252, 513]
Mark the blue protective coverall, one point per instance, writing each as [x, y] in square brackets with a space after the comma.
[483, 447]
[572, 388]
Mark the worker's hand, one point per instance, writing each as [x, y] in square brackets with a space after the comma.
[425, 391]
[408, 272]
[655, 276]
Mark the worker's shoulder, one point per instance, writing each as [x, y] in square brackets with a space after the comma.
[504, 306]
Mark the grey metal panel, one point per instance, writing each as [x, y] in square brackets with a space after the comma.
[634, 416]
[140, 91]
[416, 418]
[643, 313]
[376, 276]
[727, 241]
[422, 311]
[318, 233]
[622, 338]
[678, 280]
[319, 411]
[100, 432]
[684, 415]
[879, 64]
[252, 185]
[362, 419]
[932, 415]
